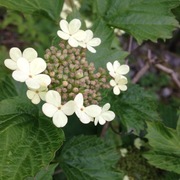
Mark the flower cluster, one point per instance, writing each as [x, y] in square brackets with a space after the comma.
[27, 67]
[93, 113]
[71, 74]
[74, 83]
[76, 37]
[117, 72]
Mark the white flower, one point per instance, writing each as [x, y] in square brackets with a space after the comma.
[85, 114]
[123, 151]
[53, 108]
[105, 115]
[125, 177]
[29, 72]
[89, 42]
[117, 69]
[15, 54]
[119, 84]
[71, 32]
[35, 95]
[138, 143]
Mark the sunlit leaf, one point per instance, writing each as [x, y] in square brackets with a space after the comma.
[27, 142]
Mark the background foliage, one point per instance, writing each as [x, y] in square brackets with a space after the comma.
[30, 145]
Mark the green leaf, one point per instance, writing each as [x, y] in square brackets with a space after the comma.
[51, 8]
[165, 152]
[45, 173]
[104, 52]
[141, 18]
[7, 88]
[88, 157]
[133, 107]
[27, 142]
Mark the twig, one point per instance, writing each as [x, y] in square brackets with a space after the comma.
[140, 73]
[169, 71]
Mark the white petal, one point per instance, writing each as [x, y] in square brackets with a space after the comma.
[30, 94]
[123, 69]
[32, 83]
[112, 83]
[91, 49]
[79, 100]
[82, 44]
[30, 54]
[42, 95]
[54, 98]
[74, 26]
[15, 53]
[79, 35]
[101, 120]
[60, 119]
[49, 110]
[73, 42]
[68, 108]
[122, 87]
[121, 80]
[64, 26]
[116, 65]
[42, 79]
[116, 90]
[108, 116]
[83, 117]
[63, 35]
[92, 110]
[96, 121]
[9, 63]
[23, 65]
[109, 66]
[106, 107]
[36, 99]
[37, 66]
[89, 35]
[19, 76]
[94, 42]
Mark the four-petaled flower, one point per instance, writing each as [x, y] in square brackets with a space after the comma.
[117, 69]
[105, 115]
[119, 84]
[29, 72]
[89, 42]
[15, 54]
[85, 114]
[53, 108]
[35, 95]
[71, 32]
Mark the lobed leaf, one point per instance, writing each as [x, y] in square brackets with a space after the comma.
[133, 107]
[27, 142]
[88, 157]
[144, 20]
[165, 152]
[51, 8]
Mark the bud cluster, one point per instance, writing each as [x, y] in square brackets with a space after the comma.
[71, 74]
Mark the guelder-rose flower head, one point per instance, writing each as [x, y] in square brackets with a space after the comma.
[117, 69]
[15, 53]
[29, 72]
[105, 115]
[119, 84]
[89, 42]
[35, 95]
[53, 108]
[85, 114]
[71, 32]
